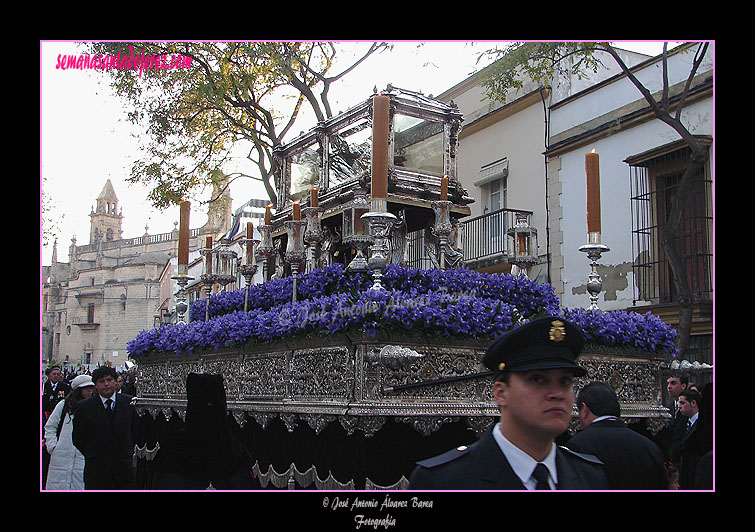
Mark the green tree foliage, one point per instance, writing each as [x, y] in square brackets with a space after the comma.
[233, 94]
[538, 61]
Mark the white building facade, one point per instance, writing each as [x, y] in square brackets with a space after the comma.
[641, 159]
[502, 163]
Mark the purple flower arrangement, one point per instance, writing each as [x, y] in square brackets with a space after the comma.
[445, 303]
[441, 313]
[644, 332]
[528, 296]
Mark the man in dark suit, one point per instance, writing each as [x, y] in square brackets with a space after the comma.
[104, 431]
[697, 439]
[534, 367]
[632, 461]
[675, 386]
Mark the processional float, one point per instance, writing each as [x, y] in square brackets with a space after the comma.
[350, 409]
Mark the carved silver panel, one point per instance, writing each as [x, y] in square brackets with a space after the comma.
[361, 383]
[431, 377]
[263, 377]
[636, 380]
[322, 373]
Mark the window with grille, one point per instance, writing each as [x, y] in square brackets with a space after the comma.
[654, 179]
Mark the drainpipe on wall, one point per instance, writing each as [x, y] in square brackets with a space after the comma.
[545, 93]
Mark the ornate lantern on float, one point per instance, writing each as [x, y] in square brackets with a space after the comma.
[523, 242]
[226, 265]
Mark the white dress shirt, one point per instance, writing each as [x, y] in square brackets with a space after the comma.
[112, 398]
[522, 463]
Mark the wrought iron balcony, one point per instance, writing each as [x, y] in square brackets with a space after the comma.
[483, 240]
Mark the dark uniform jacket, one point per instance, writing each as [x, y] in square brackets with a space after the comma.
[483, 466]
[107, 446]
[51, 397]
[632, 461]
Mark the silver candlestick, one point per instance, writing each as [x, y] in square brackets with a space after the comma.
[266, 249]
[208, 280]
[248, 270]
[442, 228]
[313, 235]
[594, 250]
[181, 305]
[295, 253]
[380, 223]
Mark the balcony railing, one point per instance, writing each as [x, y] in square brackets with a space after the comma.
[136, 241]
[485, 235]
[483, 238]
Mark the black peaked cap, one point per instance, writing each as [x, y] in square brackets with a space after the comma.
[543, 343]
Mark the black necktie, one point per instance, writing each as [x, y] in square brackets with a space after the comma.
[109, 408]
[541, 475]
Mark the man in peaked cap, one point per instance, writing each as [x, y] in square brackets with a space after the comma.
[534, 367]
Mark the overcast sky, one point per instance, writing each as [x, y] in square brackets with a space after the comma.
[85, 138]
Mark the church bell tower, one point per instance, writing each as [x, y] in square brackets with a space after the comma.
[106, 219]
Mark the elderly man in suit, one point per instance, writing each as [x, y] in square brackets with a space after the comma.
[535, 365]
[104, 431]
[54, 390]
[632, 461]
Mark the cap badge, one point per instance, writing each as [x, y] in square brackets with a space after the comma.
[557, 332]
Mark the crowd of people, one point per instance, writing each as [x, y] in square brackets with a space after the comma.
[90, 430]
[687, 438]
[64, 392]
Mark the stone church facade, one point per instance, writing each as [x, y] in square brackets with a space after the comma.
[109, 289]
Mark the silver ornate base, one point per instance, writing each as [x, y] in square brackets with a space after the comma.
[332, 391]
[359, 383]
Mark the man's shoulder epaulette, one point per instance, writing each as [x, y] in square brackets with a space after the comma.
[444, 458]
[586, 457]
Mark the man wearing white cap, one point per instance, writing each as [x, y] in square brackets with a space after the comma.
[66, 471]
